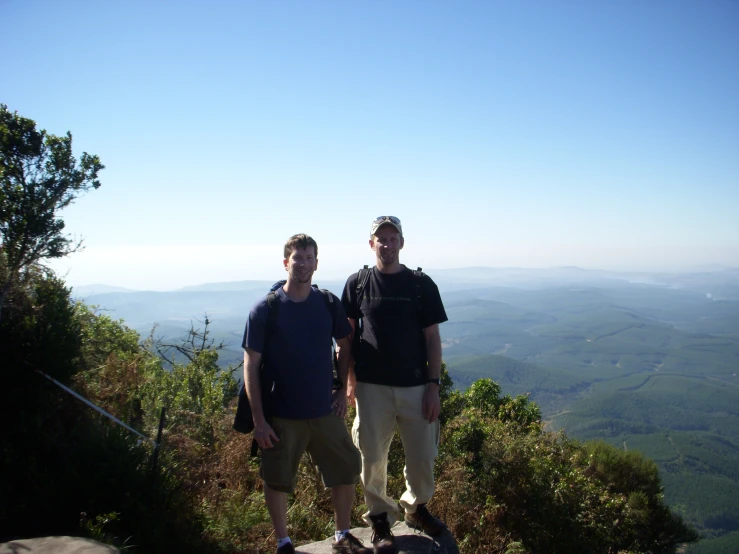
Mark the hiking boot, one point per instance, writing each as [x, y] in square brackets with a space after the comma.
[349, 544]
[422, 520]
[286, 549]
[383, 541]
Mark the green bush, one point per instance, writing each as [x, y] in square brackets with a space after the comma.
[505, 485]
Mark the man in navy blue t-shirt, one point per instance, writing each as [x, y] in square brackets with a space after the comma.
[305, 414]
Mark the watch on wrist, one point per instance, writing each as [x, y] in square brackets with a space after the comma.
[436, 381]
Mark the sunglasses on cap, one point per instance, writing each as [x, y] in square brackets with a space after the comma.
[391, 218]
[386, 219]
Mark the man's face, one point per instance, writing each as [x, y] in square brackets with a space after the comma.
[387, 244]
[301, 264]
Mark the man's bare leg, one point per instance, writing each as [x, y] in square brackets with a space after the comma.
[342, 497]
[277, 507]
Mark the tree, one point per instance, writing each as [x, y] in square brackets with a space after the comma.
[38, 177]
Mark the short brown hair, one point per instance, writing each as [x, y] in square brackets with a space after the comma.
[301, 240]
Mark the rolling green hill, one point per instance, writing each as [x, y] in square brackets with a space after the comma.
[644, 368]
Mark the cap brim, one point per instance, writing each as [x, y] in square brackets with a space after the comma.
[375, 227]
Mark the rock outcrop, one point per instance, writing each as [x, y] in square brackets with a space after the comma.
[407, 540]
[57, 545]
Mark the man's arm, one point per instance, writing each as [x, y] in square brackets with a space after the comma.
[431, 402]
[351, 378]
[343, 351]
[433, 351]
[263, 432]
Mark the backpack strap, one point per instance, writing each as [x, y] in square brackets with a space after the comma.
[328, 298]
[362, 279]
[418, 277]
[272, 305]
[332, 308]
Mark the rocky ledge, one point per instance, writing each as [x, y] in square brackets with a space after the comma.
[407, 540]
[57, 545]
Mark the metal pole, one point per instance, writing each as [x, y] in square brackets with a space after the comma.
[158, 443]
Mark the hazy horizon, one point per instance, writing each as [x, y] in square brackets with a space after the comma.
[432, 271]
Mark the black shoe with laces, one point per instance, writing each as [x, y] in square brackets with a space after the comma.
[422, 520]
[383, 541]
[349, 544]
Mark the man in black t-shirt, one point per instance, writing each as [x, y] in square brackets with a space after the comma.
[395, 380]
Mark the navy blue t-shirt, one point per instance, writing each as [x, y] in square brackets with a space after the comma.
[298, 352]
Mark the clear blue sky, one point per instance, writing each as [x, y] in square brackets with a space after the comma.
[532, 134]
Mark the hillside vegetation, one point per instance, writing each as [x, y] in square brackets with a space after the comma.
[504, 485]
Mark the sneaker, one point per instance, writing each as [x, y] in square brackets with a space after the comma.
[422, 520]
[349, 544]
[383, 541]
[287, 548]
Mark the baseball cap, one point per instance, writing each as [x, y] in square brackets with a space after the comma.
[386, 220]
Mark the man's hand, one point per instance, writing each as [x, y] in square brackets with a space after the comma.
[339, 402]
[431, 402]
[265, 435]
[350, 386]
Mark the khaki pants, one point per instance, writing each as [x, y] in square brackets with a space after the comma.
[379, 410]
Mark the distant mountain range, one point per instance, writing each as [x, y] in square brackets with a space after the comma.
[84, 291]
[714, 279]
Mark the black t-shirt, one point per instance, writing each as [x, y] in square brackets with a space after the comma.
[395, 309]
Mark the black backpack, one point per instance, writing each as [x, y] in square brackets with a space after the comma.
[243, 420]
[362, 279]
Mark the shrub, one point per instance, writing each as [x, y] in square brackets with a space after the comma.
[506, 486]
